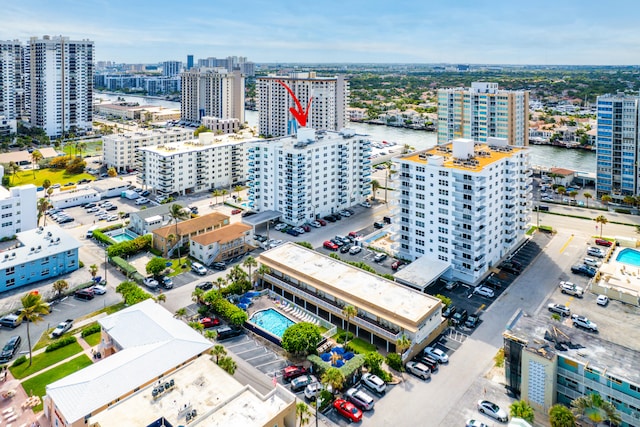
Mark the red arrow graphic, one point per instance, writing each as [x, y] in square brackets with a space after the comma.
[298, 113]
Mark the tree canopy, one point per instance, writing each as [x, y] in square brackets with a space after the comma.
[301, 338]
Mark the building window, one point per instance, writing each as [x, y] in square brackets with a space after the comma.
[11, 282]
[45, 272]
[9, 271]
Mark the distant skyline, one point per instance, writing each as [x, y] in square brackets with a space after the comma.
[354, 31]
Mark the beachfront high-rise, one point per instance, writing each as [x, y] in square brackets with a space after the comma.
[464, 203]
[59, 84]
[212, 92]
[617, 145]
[483, 111]
[11, 93]
[328, 109]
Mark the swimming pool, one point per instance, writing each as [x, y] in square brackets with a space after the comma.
[271, 321]
[629, 256]
[122, 236]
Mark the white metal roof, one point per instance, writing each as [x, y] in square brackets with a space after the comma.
[421, 272]
[152, 341]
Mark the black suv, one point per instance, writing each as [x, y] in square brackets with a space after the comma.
[205, 286]
[10, 348]
[227, 332]
[219, 266]
[459, 317]
[449, 311]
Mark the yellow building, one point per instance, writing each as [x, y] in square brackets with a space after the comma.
[166, 238]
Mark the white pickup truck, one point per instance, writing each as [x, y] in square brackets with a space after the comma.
[62, 328]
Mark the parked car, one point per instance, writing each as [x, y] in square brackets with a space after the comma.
[360, 398]
[348, 410]
[219, 266]
[560, 309]
[374, 382]
[111, 208]
[484, 291]
[145, 193]
[472, 321]
[431, 363]
[475, 423]
[570, 288]
[112, 217]
[294, 371]
[198, 268]
[397, 265]
[315, 224]
[602, 242]
[418, 369]
[330, 245]
[602, 300]
[99, 289]
[330, 218]
[378, 224]
[492, 410]
[280, 226]
[142, 201]
[205, 286]
[380, 257]
[584, 270]
[89, 205]
[293, 232]
[591, 262]
[167, 282]
[583, 322]
[235, 211]
[227, 332]
[449, 311]
[459, 317]
[10, 348]
[209, 322]
[439, 355]
[346, 248]
[301, 382]
[596, 252]
[81, 294]
[355, 249]
[10, 321]
[338, 243]
[151, 283]
[365, 204]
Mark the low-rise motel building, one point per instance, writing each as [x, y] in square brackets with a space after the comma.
[324, 286]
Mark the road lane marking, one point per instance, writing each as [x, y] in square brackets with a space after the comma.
[562, 249]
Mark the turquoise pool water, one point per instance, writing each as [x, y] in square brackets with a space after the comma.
[629, 256]
[272, 321]
[123, 236]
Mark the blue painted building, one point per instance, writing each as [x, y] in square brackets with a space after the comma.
[40, 254]
[548, 363]
[617, 145]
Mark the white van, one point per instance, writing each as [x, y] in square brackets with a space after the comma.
[591, 262]
[142, 201]
[90, 232]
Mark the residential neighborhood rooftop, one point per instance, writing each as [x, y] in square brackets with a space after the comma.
[224, 234]
[192, 225]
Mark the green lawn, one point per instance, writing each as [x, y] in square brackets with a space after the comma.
[44, 360]
[56, 176]
[93, 339]
[93, 148]
[176, 269]
[36, 385]
[361, 346]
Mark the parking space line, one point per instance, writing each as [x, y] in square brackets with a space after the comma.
[256, 357]
[239, 353]
[562, 249]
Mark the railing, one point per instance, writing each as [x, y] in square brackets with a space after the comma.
[333, 309]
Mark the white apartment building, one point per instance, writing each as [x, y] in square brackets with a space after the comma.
[59, 84]
[11, 91]
[310, 174]
[120, 149]
[211, 161]
[328, 108]
[18, 210]
[483, 111]
[221, 125]
[464, 203]
[211, 92]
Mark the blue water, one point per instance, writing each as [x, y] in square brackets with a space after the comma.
[629, 256]
[122, 236]
[376, 237]
[272, 321]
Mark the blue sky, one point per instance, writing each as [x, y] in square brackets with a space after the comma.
[418, 31]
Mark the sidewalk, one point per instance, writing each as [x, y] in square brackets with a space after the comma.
[86, 348]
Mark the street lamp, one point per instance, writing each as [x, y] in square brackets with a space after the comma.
[318, 399]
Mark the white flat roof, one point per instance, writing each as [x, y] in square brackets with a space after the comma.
[218, 398]
[421, 272]
[152, 341]
[109, 184]
[44, 243]
[353, 285]
[194, 145]
[70, 194]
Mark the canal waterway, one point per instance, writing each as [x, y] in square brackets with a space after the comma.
[541, 155]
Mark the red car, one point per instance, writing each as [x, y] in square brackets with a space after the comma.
[348, 410]
[603, 242]
[235, 211]
[306, 228]
[396, 265]
[353, 234]
[208, 322]
[322, 222]
[330, 245]
[293, 371]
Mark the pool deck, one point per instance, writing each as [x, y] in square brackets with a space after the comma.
[619, 280]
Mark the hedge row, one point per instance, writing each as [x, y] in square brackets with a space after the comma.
[95, 328]
[225, 309]
[103, 238]
[130, 247]
[62, 342]
[349, 368]
[110, 228]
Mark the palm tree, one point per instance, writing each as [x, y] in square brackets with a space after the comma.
[262, 270]
[14, 168]
[334, 378]
[561, 190]
[573, 194]
[36, 156]
[46, 184]
[171, 238]
[197, 294]
[302, 414]
[93, 270]
[223, 193]
[161, 298]
[49, 192]
[218, 351]
[375, 185]
[221, 282]
[236, 274]
[250, 263]
[602, 220]
[402, 344]
[595, 409]
[238, 189]
[178, 213]
[43, 205]
[33, 307]
[606, 198]
[60, 286]
[180, 313]
[210, 334]
[561, 416]
[629, 200]
[80, 147]
[216, 194]
[521, 409]
[348, 311]
[587, 196]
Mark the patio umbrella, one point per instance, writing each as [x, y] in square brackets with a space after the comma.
[325, 357]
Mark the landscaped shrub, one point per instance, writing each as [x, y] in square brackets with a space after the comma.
[394, 360]
[130, 247]
[123, 265]
[341, 336]
[224, 308]
[132, 293]
[110, 228]
[103, 238]
[62, 342]
[19, 361]
[95, 328]
[622, 211]
[348, 370]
